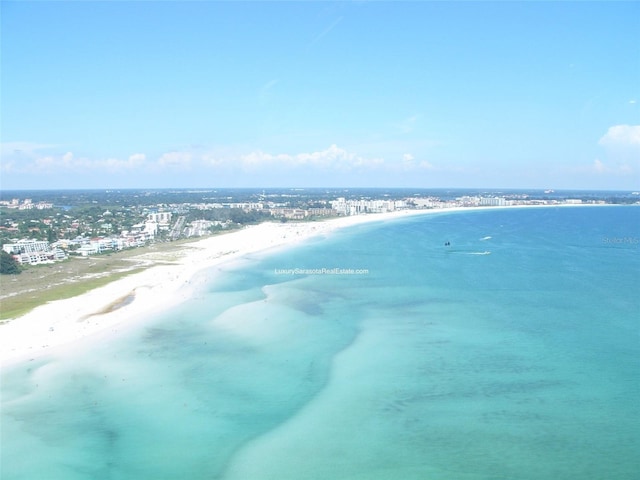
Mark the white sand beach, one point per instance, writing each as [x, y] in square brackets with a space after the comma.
[126, 301]
[129, 300]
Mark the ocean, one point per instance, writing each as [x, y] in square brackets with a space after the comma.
[480, 345]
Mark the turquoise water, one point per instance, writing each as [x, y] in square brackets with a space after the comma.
[514, 353]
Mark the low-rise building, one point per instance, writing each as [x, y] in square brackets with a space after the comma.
[289, 213]
[33, 251]
[321, 212]
[357, 207]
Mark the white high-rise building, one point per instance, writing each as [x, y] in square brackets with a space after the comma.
[492, 202]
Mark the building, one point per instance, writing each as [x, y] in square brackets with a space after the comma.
[357, 207]
[340, 206]
[321, 212]
[161, 218]
[289, 213]
[89, 249]
[467, 201]
[424, 202]
[492, 202]
[33, 251]
[26, 246]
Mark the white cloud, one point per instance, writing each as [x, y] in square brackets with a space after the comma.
[333, 162]
[34, 162]
[409, 163]
[7, 166]
[621, 155]
[46, 163]
[408, 124]
[598, 166]
[604, 168]
[134, 161]
[137, 159]
[621, 136]
[17, 157]
[333, 157]
[212, 160]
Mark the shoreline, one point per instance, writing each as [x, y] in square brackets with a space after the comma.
[128, 301]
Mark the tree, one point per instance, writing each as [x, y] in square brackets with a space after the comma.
[51, 235]
[8, 264]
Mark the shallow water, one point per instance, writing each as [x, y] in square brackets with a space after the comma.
[441, 362]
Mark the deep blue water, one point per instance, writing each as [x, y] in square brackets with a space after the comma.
[513, 353]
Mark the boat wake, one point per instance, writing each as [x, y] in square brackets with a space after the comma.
[469, 253]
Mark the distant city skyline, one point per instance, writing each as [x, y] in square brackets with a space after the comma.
[320, 94]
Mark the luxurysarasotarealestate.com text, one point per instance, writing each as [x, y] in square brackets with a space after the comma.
[621, 240]
[321, 271]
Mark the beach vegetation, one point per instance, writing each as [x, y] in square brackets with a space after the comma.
[39, 284]
[8, 264]
[18, 305]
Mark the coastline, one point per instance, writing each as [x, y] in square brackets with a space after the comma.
[127, 301]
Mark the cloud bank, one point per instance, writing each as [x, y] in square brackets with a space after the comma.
[23, 158]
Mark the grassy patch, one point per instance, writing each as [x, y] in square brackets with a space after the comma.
[39, 284]
[17, 305]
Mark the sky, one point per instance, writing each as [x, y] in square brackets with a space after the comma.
[163, 94]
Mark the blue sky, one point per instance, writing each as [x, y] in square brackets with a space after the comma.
[264, 94]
